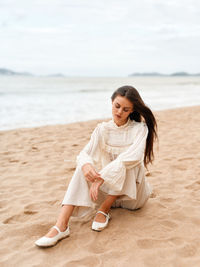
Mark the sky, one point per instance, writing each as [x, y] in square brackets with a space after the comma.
[100, 37]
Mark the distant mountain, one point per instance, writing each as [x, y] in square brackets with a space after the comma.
[11, 72]
[8, 72]
[181, 73]
[147, 74]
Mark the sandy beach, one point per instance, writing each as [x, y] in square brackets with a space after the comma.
[36, 167]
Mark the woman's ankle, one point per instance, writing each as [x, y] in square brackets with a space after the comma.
[106, 205]
[104, 209]
[62, 226]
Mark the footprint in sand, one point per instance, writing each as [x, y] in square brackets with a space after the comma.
[186, 158]
[96, 247]
[169, 224]
[85, 261]
[35, 207]
[25, 216]
[194, 186]
[155, 173]
[176, 240]
[149, 243]
[157, 243]
[187, 250]
[167, 159]
[179, 167]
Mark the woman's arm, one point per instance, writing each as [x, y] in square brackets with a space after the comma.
[115, 172]
[94, 189]
[90, 173]
[90, 155]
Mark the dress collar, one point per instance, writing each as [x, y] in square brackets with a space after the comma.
[122, 126]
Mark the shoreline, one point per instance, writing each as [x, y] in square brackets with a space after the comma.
[99, 120]
[34, 178]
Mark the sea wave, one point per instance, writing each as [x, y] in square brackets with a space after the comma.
[32, 102]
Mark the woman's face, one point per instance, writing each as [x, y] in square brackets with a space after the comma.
[121, 109]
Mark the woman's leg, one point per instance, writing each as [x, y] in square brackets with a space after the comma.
[105, 207]
[67, 210]
[62, 221]
[144, 191]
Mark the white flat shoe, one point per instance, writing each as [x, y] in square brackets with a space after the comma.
[51, 241]
[98, 226]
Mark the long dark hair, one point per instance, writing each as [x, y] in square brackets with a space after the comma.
[140, 111]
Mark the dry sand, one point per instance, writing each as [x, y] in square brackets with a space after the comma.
[34, 178]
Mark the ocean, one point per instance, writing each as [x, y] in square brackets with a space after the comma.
[29, 101]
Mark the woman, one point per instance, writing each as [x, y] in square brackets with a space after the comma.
[122, 147]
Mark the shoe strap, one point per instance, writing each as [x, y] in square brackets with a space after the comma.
[56, 227]
[107, 215]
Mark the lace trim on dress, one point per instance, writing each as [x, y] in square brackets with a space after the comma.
[114, 150]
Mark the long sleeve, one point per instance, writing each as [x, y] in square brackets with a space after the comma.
[90, 153]
[115, 172]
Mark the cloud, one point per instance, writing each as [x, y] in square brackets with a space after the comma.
[87, 35]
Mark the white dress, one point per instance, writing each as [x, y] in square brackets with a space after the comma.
[117, 152]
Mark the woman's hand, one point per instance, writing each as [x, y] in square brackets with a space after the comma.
[94, 189]
[90, 172]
